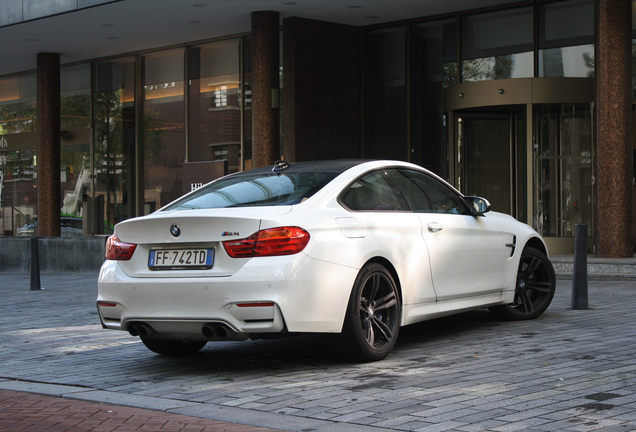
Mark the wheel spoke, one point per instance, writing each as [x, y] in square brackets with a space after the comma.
[364, 304]
[526, 302]
[533, 266]
[544, 287]
[385, 302]
[375, 286]
[384, 329]
[369, 334]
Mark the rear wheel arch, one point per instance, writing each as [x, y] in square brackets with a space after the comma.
[390, 268]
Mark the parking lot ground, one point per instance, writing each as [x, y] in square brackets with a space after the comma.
[567, 370]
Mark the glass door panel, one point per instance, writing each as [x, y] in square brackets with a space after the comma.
[563, 168]
[485, 156]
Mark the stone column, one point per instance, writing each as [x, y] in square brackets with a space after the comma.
[48, 145]
[614, 136]
[265, 85]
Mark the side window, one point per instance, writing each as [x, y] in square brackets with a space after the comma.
[426, 194]
[373, 192]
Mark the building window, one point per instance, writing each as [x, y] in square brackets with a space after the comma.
[566, 39]
[246, 101]
[498, 45]
[163, 127]
[18, 180]
[114, 144]
[75, 164]
[215, 105]
[220, 97]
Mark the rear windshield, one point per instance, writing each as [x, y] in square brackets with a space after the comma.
[252, 190]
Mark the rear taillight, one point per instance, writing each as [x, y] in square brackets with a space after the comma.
[118, 250]
[269, 242]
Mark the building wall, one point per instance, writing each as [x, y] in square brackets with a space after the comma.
[321, 90]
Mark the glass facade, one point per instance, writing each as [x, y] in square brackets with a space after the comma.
[137, 132]
[18, 161]
[484, 149]
[132, 126]
[150, 118]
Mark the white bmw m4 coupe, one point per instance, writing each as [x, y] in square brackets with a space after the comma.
[348, 246]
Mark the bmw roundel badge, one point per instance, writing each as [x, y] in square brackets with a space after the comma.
[175, 230]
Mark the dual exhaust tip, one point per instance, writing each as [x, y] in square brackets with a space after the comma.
[139, 329]
[211, 331]
[218, 331]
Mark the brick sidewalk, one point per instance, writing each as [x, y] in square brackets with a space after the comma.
[37, 413]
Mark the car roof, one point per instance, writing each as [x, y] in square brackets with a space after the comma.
[334, 166]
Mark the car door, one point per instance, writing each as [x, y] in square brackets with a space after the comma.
[391, 231]
[467, 253]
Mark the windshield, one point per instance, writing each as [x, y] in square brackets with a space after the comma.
[251, 190]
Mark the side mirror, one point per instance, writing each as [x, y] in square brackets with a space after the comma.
[478, 205]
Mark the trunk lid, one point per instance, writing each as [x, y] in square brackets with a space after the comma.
[197, 230]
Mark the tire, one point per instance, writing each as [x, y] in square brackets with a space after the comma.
[172, 347]
[534, 288]
[374, 312]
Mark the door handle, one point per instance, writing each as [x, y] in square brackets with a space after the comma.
[434, 227]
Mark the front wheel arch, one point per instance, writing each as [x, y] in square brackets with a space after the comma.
[534, 287]
[536, 243]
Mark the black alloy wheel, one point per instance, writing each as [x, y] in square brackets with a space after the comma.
[172, 347]
[534, 289]
[373, 314]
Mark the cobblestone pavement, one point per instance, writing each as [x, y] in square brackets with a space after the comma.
[568, 370]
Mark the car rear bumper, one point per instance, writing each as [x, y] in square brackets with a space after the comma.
[267, 295]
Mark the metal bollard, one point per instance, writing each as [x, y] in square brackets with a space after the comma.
[579, 280]
[35, 265]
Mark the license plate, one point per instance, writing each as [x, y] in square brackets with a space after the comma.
[180, 258]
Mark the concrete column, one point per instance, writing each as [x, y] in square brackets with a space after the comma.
[265, 85]
[614, 136]
[48, 146]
